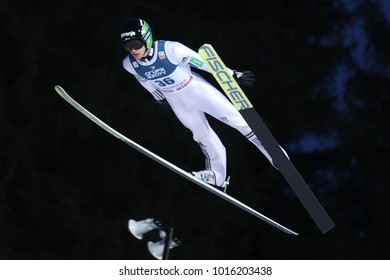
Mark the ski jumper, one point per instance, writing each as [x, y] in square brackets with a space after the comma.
[166, 73]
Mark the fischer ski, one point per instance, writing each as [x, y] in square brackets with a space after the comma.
[244, 106]
[168, 164]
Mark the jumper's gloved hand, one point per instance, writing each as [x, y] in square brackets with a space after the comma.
[245, 78]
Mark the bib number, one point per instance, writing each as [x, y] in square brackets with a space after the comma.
[164, 82]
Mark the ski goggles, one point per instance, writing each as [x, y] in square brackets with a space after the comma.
[133, 45]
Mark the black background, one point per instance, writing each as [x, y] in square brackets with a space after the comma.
[68, 188]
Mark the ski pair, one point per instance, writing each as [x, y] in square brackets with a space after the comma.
[244, 106]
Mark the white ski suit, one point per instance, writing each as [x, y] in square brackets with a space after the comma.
[166, 73]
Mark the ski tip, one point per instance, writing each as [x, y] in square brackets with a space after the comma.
[206, 45]
[57, 88]
[60, 90]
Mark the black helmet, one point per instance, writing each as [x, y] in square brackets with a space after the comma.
[135, 33]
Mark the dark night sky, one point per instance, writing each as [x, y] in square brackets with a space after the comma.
[68, 188]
